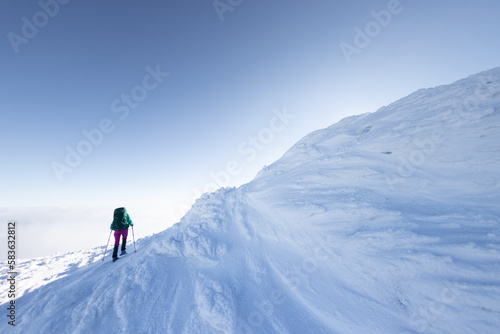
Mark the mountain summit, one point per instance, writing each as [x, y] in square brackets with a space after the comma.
[387, 222]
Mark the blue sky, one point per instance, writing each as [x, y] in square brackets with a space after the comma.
[245, 81]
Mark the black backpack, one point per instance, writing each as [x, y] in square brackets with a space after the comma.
[119, 219]
[119, 215]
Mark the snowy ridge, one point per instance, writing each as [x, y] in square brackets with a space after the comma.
[382, 223]
[37, 272]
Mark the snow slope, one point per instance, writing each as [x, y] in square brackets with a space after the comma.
[382, 223]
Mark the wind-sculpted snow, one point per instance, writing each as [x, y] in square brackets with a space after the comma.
[189, 238]
[382, 223]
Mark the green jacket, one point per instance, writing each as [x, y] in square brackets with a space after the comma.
[121, 220]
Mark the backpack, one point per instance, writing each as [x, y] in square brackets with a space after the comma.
[120, 221]
[119, 215]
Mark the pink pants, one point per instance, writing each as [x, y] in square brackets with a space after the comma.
[118, 233]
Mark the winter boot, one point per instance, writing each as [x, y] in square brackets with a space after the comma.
[115, 253]
[124, 242]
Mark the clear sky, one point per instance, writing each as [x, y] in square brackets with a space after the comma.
[147, 104]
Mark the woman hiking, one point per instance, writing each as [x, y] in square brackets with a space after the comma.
[120, 224]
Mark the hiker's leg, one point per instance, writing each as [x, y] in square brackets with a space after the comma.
[124, 237]
[115, 252]
[117, 237]
[117, 244]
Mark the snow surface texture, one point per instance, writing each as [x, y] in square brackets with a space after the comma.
[382, 223]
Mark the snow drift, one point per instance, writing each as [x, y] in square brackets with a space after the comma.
[382, 223]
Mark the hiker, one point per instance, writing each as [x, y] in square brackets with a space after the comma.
[120, 224]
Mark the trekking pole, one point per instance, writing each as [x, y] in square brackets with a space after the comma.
[133, 238]
[103, 255]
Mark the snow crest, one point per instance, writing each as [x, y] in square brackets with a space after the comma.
[382, 223]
